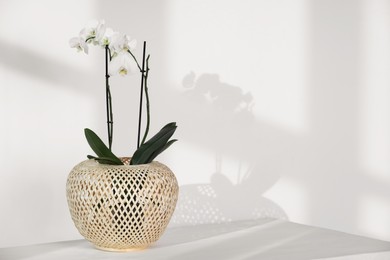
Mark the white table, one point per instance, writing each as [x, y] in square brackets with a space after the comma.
[260, 239]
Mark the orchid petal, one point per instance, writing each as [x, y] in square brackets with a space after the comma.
[123, 64]
[79, 44]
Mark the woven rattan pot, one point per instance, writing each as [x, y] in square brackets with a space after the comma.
[121, 208]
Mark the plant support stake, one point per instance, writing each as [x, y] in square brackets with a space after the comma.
[141, 95]
[108, 104]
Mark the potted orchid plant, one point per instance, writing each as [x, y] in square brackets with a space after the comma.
[121, 204]
[120, 60]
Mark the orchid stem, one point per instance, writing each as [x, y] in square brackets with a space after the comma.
[139, 67]
[147, 101]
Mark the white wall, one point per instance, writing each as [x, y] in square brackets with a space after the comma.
[282, 109]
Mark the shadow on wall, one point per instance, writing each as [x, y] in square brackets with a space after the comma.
[325, 161]
[232, 133]
[217, 116]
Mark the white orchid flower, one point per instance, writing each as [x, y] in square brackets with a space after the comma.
[113, 43]
[100, 32]
[122, 43]
[123, 64]
[79, 43]
[92, 29]
[106, 39]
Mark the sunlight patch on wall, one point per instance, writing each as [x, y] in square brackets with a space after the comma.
[375, 91]
[291, 196]
[257, 46]
[373, 217]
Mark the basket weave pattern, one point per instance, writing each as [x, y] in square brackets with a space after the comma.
[121, 207]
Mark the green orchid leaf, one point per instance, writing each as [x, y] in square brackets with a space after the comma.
[141, 156]
[167, 128]
[156, 143]
[156, 146]
[163, 131]
[100, 148]
[157, 152]
[104, 160]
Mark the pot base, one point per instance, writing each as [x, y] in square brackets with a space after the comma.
[120, 250]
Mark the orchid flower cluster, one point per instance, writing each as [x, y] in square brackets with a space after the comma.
[119, 45]
[120, 60]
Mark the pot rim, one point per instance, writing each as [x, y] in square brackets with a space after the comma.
[126, 160]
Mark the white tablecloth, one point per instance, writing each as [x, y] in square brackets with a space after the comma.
[259, 239]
